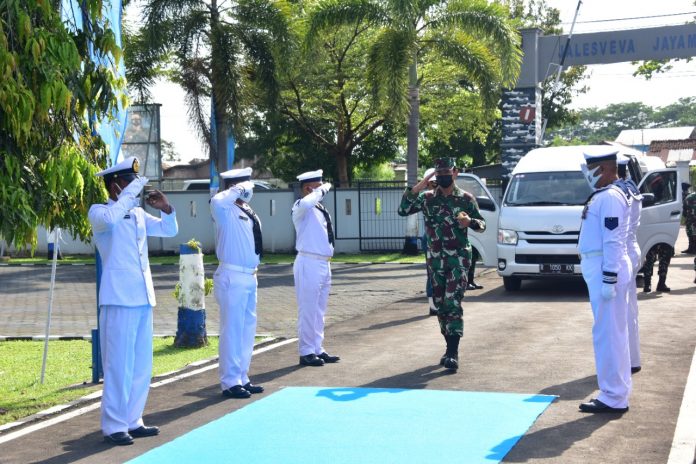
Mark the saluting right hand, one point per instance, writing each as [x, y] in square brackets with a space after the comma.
[423, 184]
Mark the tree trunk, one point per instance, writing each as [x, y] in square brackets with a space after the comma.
[411, 239]
[413, 125]
[218, 153]
[342, 166]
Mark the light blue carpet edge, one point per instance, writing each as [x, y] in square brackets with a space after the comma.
[340, 425]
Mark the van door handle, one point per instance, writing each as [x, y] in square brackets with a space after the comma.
[675, 213]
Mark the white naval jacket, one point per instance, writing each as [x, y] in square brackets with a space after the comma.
[120, 231]
[310, 224]
[605, 230]
[234, 230]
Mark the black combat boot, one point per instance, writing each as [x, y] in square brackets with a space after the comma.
[646, 284]
[692, 246]
[661, 286]
[452, 353]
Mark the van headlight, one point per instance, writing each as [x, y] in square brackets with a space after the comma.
[507, 237]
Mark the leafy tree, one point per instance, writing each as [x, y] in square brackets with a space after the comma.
[218, 50]
[325, 96]
[474, 34]
[597, 125]
[48, 85]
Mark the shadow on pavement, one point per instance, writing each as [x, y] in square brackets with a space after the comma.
[384, 325]
[417, 379]
[574, 390]
[554, 441]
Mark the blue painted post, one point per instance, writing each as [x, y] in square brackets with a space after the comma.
[96, 349]
[191, 331]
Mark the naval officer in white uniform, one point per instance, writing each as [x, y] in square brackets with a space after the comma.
[238, 248]
[606, 268]
[312, 268]
[126, 297]
[631, 189]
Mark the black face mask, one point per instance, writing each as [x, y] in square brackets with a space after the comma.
[445, 180]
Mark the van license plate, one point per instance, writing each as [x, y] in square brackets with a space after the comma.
[557, 268]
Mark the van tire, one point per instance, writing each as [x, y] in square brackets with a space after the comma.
[512, 284]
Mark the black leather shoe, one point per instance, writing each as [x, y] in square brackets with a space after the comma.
[144, 431]
[451, 363]
[663, 288]
[596, 406]
[646, 289]
[236, 392]
[119, 439]
[253, 389]
[635, 369]
[311, 360]
[473, 286]
[443, 359]
[328, 358]
[433, 312]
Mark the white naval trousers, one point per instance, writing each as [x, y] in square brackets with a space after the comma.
[235, 292]
[633, 335]
[609, 335]
[125, 336]
[312, 286]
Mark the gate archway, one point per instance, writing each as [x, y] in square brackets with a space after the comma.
[521, 106]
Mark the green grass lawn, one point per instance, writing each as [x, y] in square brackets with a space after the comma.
[276, 258]
[69, 372]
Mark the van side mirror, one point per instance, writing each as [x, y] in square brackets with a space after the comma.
[648, 199]
[485, 203]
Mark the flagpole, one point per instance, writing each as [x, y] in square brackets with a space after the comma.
[50, 304]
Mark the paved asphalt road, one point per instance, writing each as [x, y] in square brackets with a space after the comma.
[537, 340]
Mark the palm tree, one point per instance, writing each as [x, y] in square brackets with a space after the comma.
[477, 36]
[220, 49]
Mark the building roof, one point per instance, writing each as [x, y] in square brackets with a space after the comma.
[674, 150]
[637, 137]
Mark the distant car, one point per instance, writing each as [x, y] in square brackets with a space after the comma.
[204, 184]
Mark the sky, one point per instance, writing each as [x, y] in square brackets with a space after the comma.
[609, 83]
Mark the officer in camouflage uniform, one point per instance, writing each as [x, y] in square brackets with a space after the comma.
[689, 207]
[448, 212]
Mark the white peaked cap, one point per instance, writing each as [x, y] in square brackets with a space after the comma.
[130, 165]
[600, 155]
[311, 176]
[239, 175]
[623, 160]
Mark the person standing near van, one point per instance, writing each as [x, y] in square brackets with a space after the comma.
[631, 190]
[239, 246]
[662, 252]
[312, 267]
[689, 209]
[448, 212]
[606, 269]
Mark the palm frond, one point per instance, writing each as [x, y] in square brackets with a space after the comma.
[489, 23]
[330, 14]
[388, 61]
[476, 62]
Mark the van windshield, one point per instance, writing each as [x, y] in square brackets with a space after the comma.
[547, 189]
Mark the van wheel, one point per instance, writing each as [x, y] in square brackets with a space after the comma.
[512, 284]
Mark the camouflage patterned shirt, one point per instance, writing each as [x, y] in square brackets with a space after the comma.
[444, 235]
[690, 209]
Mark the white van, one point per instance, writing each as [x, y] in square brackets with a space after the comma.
[541, 211]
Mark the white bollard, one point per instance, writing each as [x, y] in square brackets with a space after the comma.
[190, 293]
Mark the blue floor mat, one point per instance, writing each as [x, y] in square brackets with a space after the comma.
[316, 425]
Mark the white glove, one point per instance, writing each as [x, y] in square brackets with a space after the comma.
[135, 187]
[608, 291]
[325, 188]
[246, 190]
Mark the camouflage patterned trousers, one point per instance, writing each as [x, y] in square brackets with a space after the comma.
[690, 228]
[448, 275]
[664, 253]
